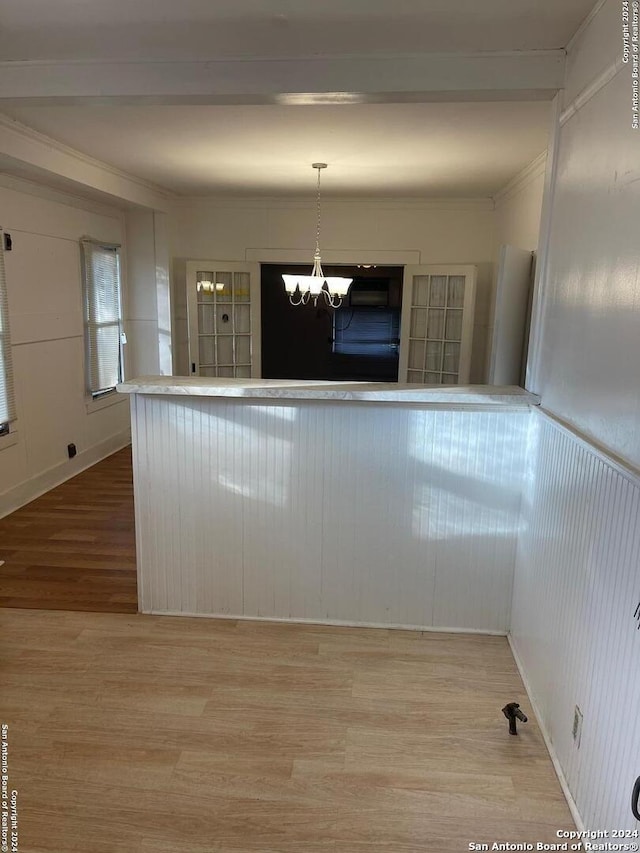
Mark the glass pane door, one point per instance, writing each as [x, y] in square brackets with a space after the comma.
[440, 325]
[223, 324]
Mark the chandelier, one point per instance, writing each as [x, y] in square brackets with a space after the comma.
[302, 288]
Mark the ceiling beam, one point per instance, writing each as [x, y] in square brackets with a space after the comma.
[351, 79]
[27, 153]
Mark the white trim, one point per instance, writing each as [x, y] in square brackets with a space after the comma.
[620, 465]
[336, 623]
[8, 440]
[29, 490]
[591, 89]
[102, 402]
[573, 808]
[583, 26]
[530, 172]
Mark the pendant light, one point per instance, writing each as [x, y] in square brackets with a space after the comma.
[302, 288]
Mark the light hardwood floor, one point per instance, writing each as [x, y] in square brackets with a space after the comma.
[73, 548]
[169, 735]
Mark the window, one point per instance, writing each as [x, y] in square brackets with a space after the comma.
[103, 333]
[7, 396]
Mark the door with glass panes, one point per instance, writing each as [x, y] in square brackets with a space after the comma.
[437, 324]
[220, 316]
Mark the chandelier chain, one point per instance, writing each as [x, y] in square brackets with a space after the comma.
[318, 215]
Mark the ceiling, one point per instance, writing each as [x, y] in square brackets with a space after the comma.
[384, 149]
[89, 29]
[437, 150]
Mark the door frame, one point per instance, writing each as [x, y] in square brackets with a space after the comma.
[346, 257]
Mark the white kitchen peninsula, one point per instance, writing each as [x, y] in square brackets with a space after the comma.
[348, 503]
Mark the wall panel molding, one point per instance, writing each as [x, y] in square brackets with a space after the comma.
[328, 512]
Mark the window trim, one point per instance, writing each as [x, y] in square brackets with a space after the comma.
[9, 439]
[103, 401]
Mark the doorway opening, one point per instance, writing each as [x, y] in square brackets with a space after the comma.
[360, 341]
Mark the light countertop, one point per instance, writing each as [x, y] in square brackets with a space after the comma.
[296, 389]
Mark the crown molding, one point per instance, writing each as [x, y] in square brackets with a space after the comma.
[584, 25]
[592, 89]
[530, 172]
[235, 202]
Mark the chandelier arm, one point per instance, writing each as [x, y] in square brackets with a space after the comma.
[333, 301]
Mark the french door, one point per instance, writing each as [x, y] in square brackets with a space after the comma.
[221, 308]
[437, 324]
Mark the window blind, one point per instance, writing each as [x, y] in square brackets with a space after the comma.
[7, 394]
[366, 331]
[103, 315]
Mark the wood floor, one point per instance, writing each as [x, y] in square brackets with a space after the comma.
[143, 734]
[146, 734]
[74, 547]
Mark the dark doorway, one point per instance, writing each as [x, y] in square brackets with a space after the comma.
[358, 341]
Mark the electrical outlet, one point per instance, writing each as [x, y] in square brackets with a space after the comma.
[577, 726]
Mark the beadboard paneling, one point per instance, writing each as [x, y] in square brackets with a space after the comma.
[577, 585]
[362, 513]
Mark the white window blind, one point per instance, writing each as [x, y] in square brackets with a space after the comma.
[103, 315]
[7, 395]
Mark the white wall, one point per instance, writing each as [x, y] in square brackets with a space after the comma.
[443, 232]
[148, 309]
[590, 346]
[518, 207]
[576, 579]
[46, 322]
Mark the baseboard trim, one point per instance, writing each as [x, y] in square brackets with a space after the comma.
[335, 623]
[573, 808]
[24, 493]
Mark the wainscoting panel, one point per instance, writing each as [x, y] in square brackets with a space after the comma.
[347, 512]
[574, 620]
